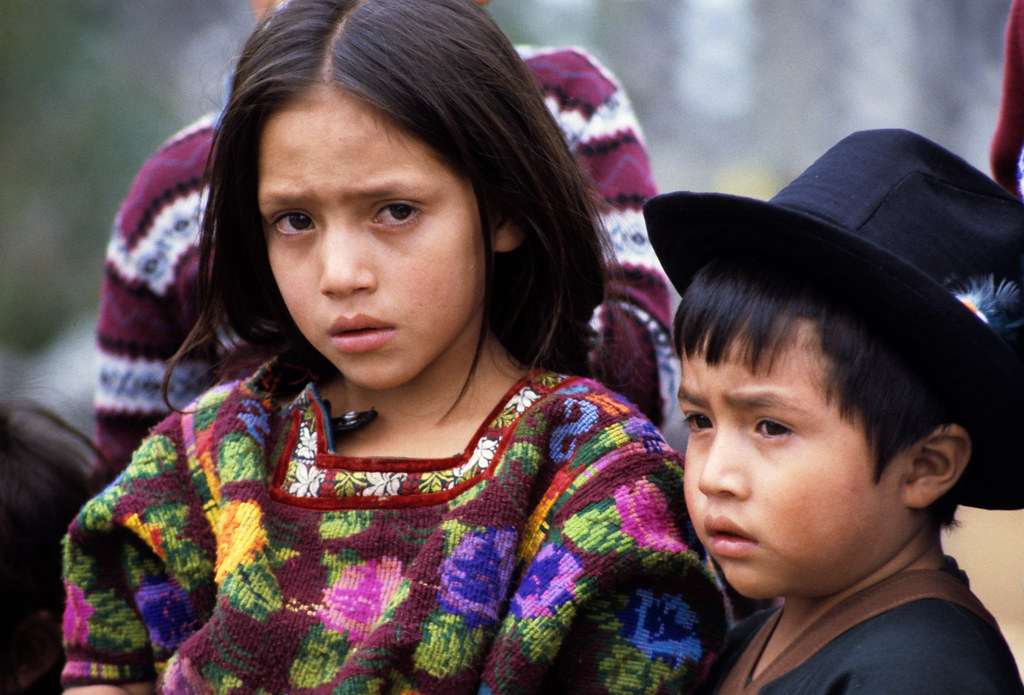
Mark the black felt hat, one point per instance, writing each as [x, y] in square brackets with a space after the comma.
[923, 245]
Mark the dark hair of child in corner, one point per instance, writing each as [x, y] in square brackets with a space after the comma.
[44, 481]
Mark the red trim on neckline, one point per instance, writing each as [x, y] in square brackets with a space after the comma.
[329, 460]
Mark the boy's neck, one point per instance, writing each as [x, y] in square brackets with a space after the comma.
[798, 613]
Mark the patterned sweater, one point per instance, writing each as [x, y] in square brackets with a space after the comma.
[237, 553]
[148, 302]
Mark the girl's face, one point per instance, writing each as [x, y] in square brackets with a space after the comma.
[375, 245]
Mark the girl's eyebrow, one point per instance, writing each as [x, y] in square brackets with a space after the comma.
[388, 188]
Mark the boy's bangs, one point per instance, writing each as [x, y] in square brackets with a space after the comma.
[737, 309]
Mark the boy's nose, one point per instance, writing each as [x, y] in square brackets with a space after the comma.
[722, 470]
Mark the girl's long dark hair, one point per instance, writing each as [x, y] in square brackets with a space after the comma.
[444, 72]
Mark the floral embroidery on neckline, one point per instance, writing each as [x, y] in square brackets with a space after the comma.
[315, 474]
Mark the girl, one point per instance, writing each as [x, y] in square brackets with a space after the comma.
[411, 497]
[148, 299]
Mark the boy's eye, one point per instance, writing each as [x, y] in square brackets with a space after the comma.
[771, 428]
[697, 421]
[397, 212]
[293, 223]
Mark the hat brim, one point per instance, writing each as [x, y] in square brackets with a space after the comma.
[966, 362]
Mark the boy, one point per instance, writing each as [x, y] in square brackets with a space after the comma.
[848, 379]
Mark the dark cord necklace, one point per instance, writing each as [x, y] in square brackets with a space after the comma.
[352, 420]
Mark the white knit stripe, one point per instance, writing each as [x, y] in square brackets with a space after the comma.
[133, 385]
[153, 260]
[629, 239]
[611, 119]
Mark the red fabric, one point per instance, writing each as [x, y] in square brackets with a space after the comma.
[1009, 135]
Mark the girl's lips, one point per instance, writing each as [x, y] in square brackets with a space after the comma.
[726, 539]
[360, 334]
[354, 342]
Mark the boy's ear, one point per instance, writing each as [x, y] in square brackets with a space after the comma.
[506, 236]
[936, 462]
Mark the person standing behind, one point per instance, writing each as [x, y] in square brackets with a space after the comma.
[148, 303]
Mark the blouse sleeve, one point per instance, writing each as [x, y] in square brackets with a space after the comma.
[615, 592]
[137, 569]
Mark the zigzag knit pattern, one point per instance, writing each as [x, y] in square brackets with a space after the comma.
[239, 554]
[148, 296]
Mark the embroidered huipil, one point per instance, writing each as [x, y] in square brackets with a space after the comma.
[237, 553]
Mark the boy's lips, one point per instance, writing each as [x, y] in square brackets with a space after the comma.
[726, 538]
[356, 334]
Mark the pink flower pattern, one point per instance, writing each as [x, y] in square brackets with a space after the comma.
[646, 517]
[355, 602]
[76, 614]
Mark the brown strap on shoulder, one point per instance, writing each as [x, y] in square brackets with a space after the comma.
[896, 591]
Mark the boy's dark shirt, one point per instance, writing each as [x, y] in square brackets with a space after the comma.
[927, 646]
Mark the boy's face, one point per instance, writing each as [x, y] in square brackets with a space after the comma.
[781, 489]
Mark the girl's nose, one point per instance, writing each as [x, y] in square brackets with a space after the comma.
[346, 262]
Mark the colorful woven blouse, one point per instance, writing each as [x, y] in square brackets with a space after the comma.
[238, 553]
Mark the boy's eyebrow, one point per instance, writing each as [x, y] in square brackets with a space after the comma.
[760, 400]
[690, 398]
[752, 401]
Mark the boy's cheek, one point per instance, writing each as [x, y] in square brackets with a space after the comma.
[694, 498]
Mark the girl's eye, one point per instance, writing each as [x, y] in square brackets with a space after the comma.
[293, 223]
[770, 428]
[396, 213]
[697, 422]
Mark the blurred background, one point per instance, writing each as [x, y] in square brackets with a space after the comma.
[733, 95]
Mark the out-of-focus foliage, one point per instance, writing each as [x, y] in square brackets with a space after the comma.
[75, 123]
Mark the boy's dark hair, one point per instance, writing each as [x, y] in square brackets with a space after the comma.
[753, 305]
[442, 71]
[44, 481]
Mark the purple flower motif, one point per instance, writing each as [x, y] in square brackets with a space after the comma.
[182, 678]
[661, 626]
[166, 611]
[475, 577]
[256, 420]
[549, 583]
[580, 418]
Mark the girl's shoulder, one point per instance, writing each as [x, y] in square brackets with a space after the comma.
[571, 396]
[237, 405]
[583, 424]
